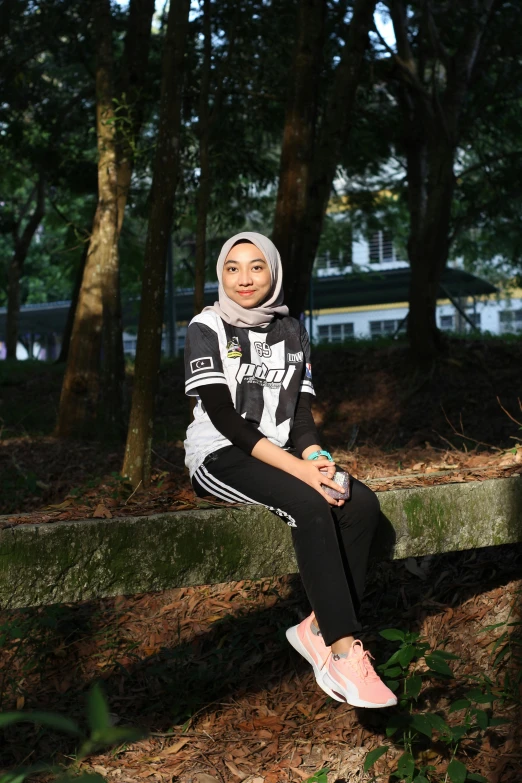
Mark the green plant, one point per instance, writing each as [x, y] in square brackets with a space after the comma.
[101, 734]
[319, 777]
[405, 672]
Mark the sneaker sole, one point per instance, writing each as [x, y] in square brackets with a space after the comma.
[353, 698]
[295, 641]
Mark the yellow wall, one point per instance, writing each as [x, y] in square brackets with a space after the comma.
[516, 293]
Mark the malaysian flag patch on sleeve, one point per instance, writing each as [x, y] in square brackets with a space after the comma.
[205, 363]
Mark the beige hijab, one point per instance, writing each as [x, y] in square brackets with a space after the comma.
[233, 313]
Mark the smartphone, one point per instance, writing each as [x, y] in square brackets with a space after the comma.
[343, 479]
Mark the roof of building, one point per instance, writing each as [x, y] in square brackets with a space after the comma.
[355, 290]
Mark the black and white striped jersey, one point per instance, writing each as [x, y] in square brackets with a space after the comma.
[264, 368]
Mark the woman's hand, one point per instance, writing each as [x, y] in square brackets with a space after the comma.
[316, 474]
[309, 471]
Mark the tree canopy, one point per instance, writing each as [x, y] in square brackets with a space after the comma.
[48, 129]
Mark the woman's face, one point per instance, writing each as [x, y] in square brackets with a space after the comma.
[246, 275]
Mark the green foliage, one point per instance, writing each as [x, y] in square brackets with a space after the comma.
[319, 777]
[374, 755]
[101, 734]
[47, 94]
[405, 672]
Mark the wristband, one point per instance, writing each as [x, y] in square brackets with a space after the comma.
[321, 453]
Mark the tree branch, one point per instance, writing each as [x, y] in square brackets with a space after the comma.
[494, 158]
[83, 232]
[135, 57]
[464, 60]
[434, 36]
[404, 57]
[223, 68]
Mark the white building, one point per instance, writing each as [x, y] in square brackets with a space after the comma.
[490, 312]
[365, 309]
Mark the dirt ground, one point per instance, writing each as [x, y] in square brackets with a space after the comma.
[459, 421]
[207, 671]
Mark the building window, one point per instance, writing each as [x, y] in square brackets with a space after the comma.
[129, 345]
[447, 323]
[474, 318]
[336, 263]
[335, 333]
[387, 327]
[510, 320]
[381, 247]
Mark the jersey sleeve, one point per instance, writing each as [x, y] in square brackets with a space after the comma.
[306, 379]
[203, 365]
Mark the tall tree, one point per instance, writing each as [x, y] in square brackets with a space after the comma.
[79, 396]
[97, 317]
[438, 49]
[311, 143]
[204, 188]
[137, 462]
[210, 105]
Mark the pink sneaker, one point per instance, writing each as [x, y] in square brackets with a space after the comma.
[355, 679]
[314, 650]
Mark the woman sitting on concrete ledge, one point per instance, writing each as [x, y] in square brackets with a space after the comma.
[253, 440]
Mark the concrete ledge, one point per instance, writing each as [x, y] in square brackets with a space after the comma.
[73, 561]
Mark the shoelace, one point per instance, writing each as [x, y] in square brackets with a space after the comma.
[361, 661]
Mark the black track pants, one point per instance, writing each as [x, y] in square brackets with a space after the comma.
[331, 543]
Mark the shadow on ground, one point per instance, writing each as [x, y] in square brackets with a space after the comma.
[242, 653]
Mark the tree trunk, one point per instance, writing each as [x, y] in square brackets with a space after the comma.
[131, 95]
[66, 337]
[299, 238]
[432, 109]
[98, 315]
[203, 197]
[109, 194]
[295, 170]
[429, 248]
[22, 244]
[80, 389]
[166, 168]
[132, 79]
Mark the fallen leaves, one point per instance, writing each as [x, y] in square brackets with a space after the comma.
[207, 666]
[268, 721]
[238, 773]
[171, 750]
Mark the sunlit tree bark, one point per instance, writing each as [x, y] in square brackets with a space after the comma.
[79, 397]
[97, 319]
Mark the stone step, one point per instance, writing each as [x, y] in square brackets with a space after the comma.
[74, 561]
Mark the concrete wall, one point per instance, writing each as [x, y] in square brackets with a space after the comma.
[73, 561]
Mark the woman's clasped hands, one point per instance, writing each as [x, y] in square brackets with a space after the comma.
[318, 473]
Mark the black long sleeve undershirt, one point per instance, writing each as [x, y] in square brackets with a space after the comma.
[218, 404]
[304, 432]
